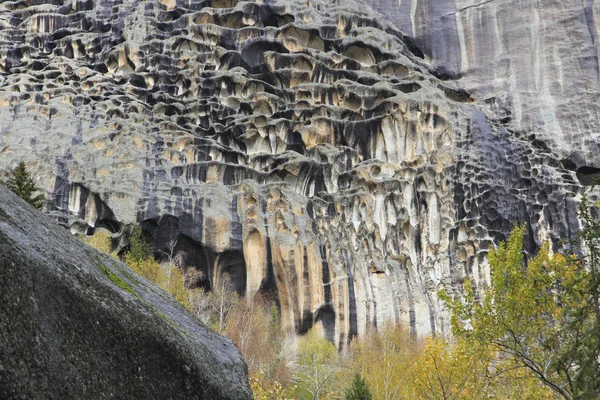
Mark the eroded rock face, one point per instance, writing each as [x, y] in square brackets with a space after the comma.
[533, 63]
[302, 150]
[77, 324]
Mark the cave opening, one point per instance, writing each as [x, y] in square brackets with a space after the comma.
[108, 224]
[588, 175]
[231, 270]
[326, 316]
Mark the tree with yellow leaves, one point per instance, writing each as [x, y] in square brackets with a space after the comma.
[450, 372]
[542, 314]
[385, 359]
[317, 366]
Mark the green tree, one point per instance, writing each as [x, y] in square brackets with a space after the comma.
[139, 248]
[385, 358]
[21, 183]
[446, 371]
[359, 389]
[317, 365]
[542, 314]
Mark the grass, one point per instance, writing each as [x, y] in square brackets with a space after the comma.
[122, 284]
[116, 279]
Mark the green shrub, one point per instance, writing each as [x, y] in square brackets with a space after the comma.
[359, 389]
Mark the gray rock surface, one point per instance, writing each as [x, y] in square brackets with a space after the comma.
[533, 63]
[78, 325]
[304, 150]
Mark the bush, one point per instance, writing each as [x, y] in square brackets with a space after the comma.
[100, 240]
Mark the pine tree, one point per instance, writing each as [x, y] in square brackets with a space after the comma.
[359, 389]
[139, 248]
[21, 183]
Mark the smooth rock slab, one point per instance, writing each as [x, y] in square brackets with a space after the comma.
[534, 63]
[76, 324]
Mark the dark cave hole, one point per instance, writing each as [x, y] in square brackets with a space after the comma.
[326, 315]
[588, 175]
[231, 266]
[569, 164]
[110, 225]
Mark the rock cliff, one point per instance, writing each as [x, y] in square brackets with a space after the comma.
[303, 150]
[77, 324]
[534, 63]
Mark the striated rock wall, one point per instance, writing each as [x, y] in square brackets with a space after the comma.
[302, 150]
[533, 63]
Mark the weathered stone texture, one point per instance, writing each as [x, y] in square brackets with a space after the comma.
[533, 63]
[77, 324]
[299, 149]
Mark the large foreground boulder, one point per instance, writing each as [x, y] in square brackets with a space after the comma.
[75, 324]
